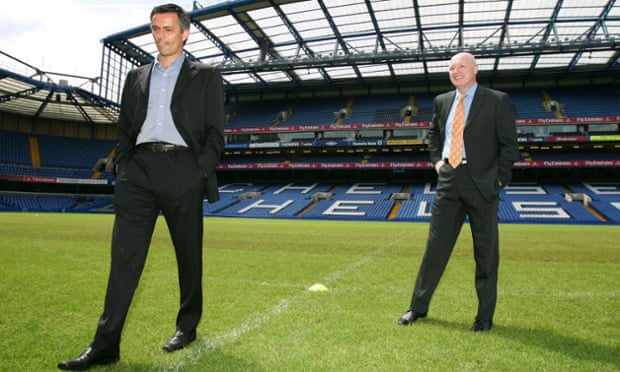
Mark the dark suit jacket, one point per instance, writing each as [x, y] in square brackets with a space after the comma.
[197, 108]
[490, 138]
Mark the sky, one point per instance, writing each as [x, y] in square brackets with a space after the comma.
[64, 36]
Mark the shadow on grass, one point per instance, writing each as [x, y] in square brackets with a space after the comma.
[216, 360]
[545, 339]
[564, 344]
[204, 358]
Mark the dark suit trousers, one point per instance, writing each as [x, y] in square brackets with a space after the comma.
[457, 197]
[148, 183]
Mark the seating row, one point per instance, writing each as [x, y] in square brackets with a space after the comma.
[528, 104]
[519, 203]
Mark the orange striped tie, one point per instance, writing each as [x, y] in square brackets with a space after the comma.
[456, 142]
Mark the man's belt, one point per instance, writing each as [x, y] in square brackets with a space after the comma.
[160, 147]
[463, 162]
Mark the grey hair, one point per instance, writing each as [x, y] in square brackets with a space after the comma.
[173, 8]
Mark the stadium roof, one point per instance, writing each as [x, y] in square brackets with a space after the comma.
[275, 45]
[39, 94]
[323, 47]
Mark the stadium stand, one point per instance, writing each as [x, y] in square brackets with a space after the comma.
[249, 115]
[14, 148]
[528, 104]
[54, 203]
[519, 203]
[51, 156]
[591, 102]
[47, 156]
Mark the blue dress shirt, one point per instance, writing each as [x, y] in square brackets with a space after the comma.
[159, 125]
[467, 103]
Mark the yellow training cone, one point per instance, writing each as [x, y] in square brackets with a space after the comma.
[318, 287]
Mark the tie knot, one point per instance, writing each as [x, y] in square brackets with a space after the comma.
[462, 97]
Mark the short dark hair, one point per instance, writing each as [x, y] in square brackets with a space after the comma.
[173, 8]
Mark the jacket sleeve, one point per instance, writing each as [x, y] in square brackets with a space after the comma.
[507, 140]
[435, 136]
[123, 125]
[212, 145]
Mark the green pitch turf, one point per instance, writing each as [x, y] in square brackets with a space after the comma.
[559, 297]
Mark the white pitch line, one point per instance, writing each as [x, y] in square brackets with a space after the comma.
[339, 274]
[255, 321]
[259, 319]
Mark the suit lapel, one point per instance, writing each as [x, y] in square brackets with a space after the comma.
[144, 79]
[476, 105]
[447, 107]
[188, 71]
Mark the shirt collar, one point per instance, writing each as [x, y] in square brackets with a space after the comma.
[173, 66]
[469, 93]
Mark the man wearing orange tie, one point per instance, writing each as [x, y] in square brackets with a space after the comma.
[472, 143]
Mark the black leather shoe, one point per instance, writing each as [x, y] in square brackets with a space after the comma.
[482, 325]
[410, 317]
[179, 340]
[90, 357]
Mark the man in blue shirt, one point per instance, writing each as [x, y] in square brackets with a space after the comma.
[171, 136]
[472, 144]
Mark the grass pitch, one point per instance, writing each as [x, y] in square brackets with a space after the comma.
[558, 298]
